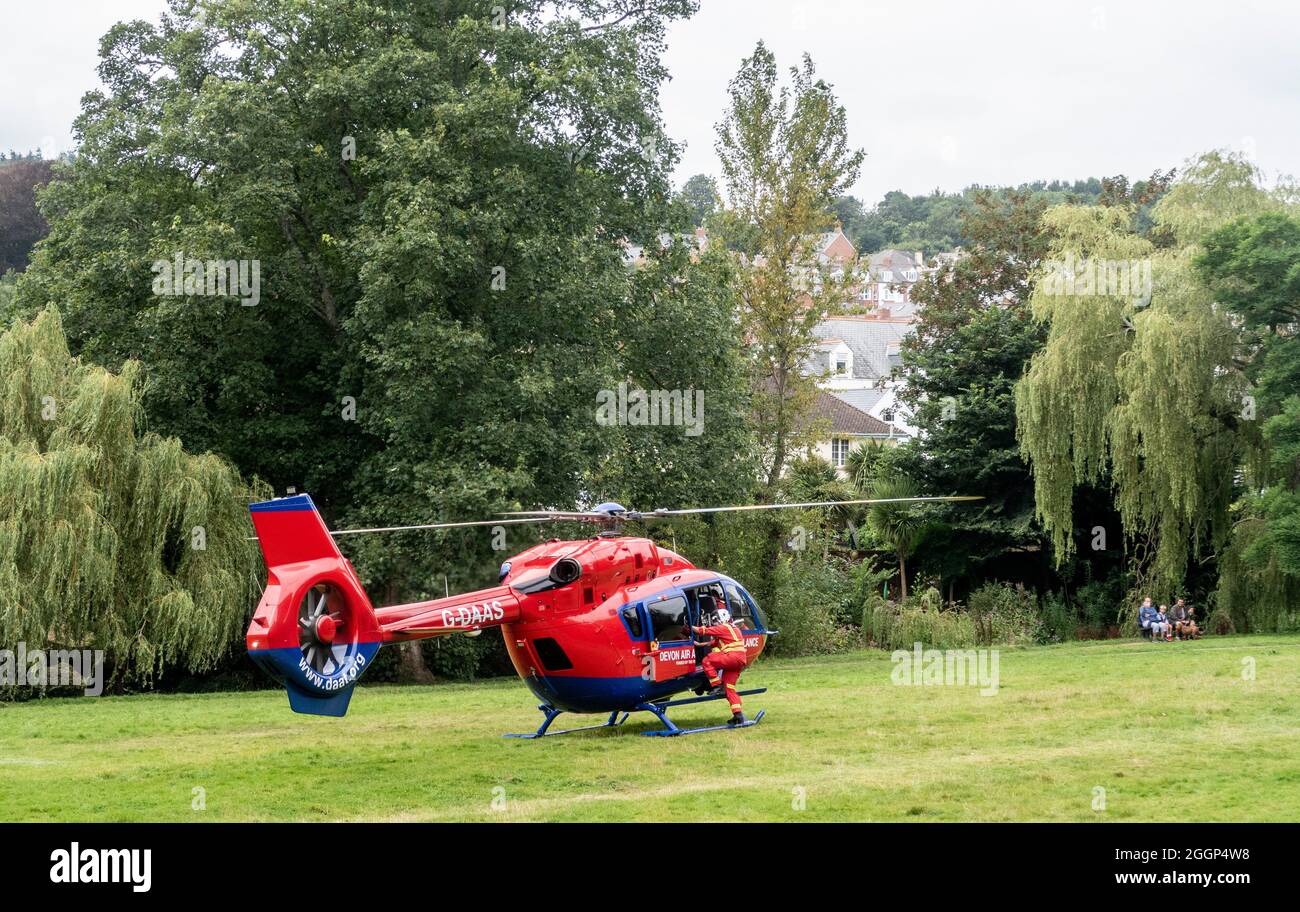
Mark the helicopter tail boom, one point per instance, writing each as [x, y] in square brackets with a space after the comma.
[465, 613]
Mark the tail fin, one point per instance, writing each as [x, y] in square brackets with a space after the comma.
[314, 630]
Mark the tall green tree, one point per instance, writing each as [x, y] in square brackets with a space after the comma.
[439, 196]
[112, 537]
[973, 338]
[700, 194]
[1253, 268]
[785, 159]
[678, 297]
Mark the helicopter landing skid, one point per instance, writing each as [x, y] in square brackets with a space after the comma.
[618, 717]
[671, 729]
[551, 712]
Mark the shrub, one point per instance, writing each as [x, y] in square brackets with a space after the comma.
[996, 614]
[930, 599]
[1005, 614]
[1059, 621]
[933, 629]
[812, 606]
[878, 616]
[1220, 622]
[1100, 602]
[919, 620]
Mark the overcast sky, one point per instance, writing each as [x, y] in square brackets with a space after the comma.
[940, 93]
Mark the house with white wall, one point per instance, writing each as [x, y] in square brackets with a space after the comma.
[854, 362]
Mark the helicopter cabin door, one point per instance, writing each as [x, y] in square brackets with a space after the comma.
[673, 651]
[706, 599]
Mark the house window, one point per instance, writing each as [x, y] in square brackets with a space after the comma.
[888, 416]
[841, 364]
[839, 452]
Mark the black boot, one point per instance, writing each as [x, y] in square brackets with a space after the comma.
[737, 718]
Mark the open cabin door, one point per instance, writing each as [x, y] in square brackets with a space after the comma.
[672, 651]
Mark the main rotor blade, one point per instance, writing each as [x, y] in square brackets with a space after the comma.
[542, 516]
[802, 506]
[565, 516]
[450, 525]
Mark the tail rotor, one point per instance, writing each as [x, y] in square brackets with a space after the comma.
[324, 631]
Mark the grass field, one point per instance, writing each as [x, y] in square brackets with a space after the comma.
[1169, 731]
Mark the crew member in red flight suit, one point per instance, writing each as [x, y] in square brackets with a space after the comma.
[727, 660]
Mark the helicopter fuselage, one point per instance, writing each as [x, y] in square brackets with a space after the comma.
[611, 638]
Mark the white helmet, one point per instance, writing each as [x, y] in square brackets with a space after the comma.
[723, 615]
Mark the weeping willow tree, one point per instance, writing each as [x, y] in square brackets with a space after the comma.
[1141, 382]
[111, 538]
[1259, 588]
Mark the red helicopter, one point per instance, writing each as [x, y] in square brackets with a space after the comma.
[596, 625]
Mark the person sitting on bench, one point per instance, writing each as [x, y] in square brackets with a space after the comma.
[1184, 621]
[1148, 619]
[1162, 621]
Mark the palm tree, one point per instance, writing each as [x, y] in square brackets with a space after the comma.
[897, 526]
[814, 479]
[861, 465]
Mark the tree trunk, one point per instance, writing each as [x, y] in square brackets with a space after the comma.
[902, 575]
[775, 539]
[413, 668]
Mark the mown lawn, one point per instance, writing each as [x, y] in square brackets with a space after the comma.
[1169, 731]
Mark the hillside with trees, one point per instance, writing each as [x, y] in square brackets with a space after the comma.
[21, 224]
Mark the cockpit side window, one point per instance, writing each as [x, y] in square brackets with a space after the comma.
[739, 607]
[633, 618]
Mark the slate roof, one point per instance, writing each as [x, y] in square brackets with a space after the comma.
[897, 260]
[845, 419]
[874, 343]
[862, 400]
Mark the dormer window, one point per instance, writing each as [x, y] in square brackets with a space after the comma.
[840, 360]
